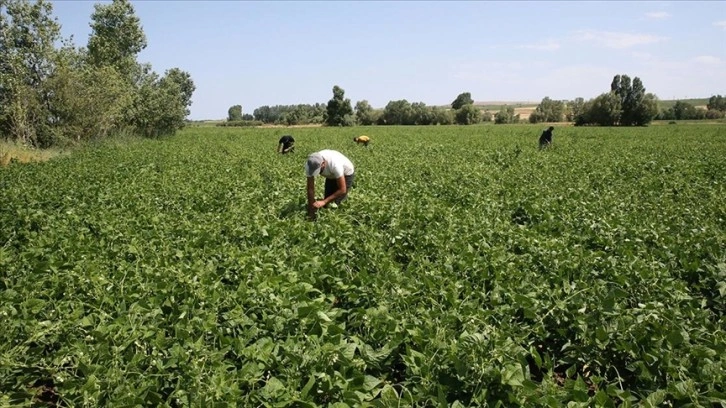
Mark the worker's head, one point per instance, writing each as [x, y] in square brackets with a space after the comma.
[314, 165]
[551, 128]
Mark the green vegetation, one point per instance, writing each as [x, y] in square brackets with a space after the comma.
[53, 95]
[468, 268]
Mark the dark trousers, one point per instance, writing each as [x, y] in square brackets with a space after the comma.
[331, 186]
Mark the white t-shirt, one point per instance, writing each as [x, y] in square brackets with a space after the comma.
[336, 165]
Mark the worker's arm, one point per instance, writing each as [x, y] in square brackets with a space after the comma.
[342, 189]
[311, 197]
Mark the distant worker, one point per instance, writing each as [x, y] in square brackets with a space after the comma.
[362, 139]
[546, 139]
[338, 171]
[286, 145]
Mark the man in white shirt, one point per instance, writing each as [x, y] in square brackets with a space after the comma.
[338, 171]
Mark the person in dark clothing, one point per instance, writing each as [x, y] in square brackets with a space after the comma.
[286, 145]
[546, 139]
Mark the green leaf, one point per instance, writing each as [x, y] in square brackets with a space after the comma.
[513, 375]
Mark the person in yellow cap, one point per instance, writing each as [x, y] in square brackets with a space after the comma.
[362, 139]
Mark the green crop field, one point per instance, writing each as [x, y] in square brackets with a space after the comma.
[467, 268]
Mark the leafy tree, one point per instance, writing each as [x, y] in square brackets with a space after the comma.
[683, 111]
[548, 111]
[291, 114]
[717, 103]
[364, 113]
[339, 111]
[398, 112]
[247, 117]
[160, 106]
[421, 114]
[506, 115]
[186, 86]
[88, 103]
[468, 115]
[637, 107]
[441, 116]
[713, 114]
[461, 100]
[28, 34]
[116, 37]
[605, 110]
[574, 108]
[234, 113]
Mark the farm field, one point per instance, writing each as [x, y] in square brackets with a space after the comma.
[467, 268]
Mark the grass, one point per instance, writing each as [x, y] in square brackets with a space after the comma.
[13, 151]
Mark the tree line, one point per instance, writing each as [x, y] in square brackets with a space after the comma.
[626, 104]
[54, 93]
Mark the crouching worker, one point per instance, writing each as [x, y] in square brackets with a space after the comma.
[545, 140]
[338, 171]
[286, 144]
[362, 139]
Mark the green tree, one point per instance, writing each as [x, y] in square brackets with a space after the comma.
[234, 113]
[28, 34]
[461, 100]
[637, 107]
[421, 114]
[159, 107]
[88, 102]
[116, 37]
[442, 116]
[604, 110]
[467, 115]
[574, 109]
[548, 111]
[364, 113]
[398, 112]
[339, 112]
[506, 115]
[186, 86]
[717, 103]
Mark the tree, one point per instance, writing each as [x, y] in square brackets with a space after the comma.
[442, 116]
[339, 111]
[364, 113]
[637, 107]
[186, 86]
[461, 100]
[116, 37]
[468, 115]
[574, 109]
[398, 113]
[605, 110]
[160, 106]
[548, 111]
[717, 103]
[506, 115]
[28, 34]
[421, 114]
[88, 103]
[234, 113]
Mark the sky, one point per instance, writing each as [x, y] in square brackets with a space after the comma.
[256, 53]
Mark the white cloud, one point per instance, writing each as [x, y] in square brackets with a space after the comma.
[720, 24]
[658, 15]
[707, 59]
[549, 45]
[615, 40]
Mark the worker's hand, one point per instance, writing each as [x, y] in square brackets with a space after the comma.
[319, 204]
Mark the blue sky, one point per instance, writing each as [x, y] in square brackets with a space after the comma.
[289, 52]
